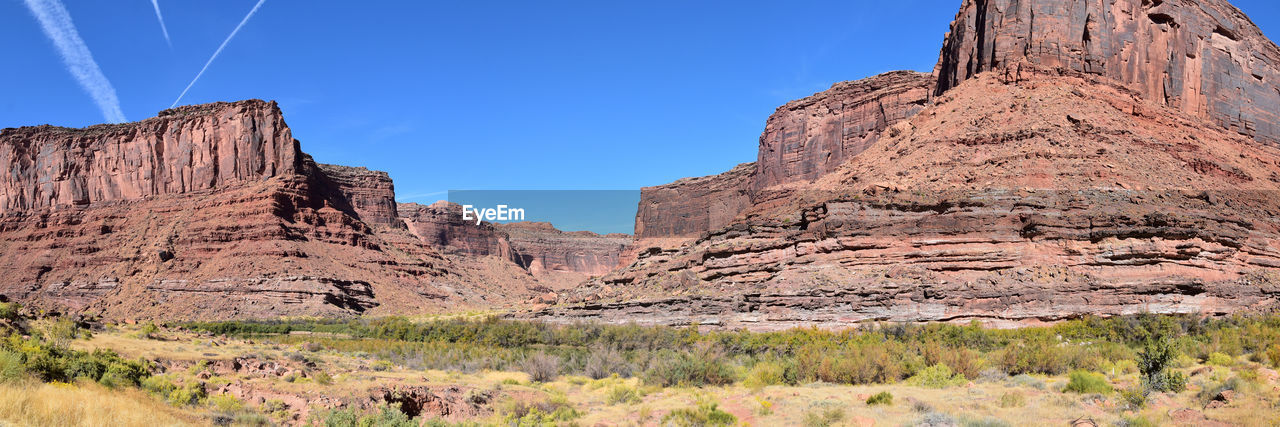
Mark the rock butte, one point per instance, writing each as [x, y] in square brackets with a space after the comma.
[213, 211]
[1066, 157]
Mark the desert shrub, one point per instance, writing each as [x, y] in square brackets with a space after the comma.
[707, 414]
[541, 367]
[765, 408]
[1220, 359]
[1025, 380]
[881, 398]
[382, 366]
[322, 377]
[603, 361]
[1210, 391]
[1083, 382]
[225, 403]
[1134, 398]
[160, 384]
[983, 422]
[764, 374]
[12, 368]
[823, 414]
[384, 416]
[671, 368]
[57, 331]
[1135, 421]
[553, 410]
[148, 330]
[935, 419]
[622, 394]
[1153, 363]
[9, 310]
[190, 393]
[991, 375]
[936, 376]
[858, 363]
[1013, 399]
[1273, 355]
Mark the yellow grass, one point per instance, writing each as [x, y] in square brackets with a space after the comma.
[84, 405]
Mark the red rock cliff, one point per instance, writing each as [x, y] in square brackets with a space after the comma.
[810, 137]
[440, 225]
[1205, 57]
[692, 206]
[186, 149]
[371, 193]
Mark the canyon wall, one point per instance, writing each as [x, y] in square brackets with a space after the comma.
[692, 206]
[440, 225]
[186, 149]
[212, 211]
[543, 248]
[1204, 58]
[370, 193]
[810, 137]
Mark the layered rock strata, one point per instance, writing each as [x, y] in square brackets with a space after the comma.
[1010, 200]
[212, 211]
[692, 206]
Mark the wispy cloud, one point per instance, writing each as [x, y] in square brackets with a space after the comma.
[159, 17]
[216, 52]
[56, 23]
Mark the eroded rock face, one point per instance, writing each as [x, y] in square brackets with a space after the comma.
[692, 206]
[371, 194]
[543, 248]
[440, 225]
[212, 212]
[187, 149]
[1204, 58]
[810, 137]
[1010, 200]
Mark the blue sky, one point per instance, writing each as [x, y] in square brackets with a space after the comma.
[487, 95]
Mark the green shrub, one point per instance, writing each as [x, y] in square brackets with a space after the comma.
[1273, 355]
[881, 398]
[706, 414]
[160, 384]
[322, 377]
[936, 376]
[1134, 398]
[552, 411]
[225, 403]
[384, 416]
[1084, 382]
[623, 394]
[764, 374]
[9, 310]
[189, 394]
[12, 368]
[1013, 399]
[686, 369]
[1153, 363]
[1220, 359]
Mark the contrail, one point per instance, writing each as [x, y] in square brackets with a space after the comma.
[216, 52]
[159, 17]
[56, 23]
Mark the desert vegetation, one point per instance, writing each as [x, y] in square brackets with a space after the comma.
[490, 371]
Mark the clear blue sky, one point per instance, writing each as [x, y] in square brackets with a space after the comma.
[488, 95]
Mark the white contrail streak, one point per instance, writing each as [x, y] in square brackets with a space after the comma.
[159, 17]
[56, 23]
[216, 52]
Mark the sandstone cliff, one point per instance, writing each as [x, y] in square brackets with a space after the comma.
[440, 225]
[1009, 200]
[810, 137]
[1204, 58]
[187, 149]
[212, 211]
[563, 259]
[692, 206]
